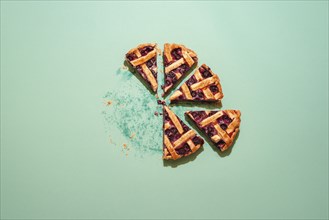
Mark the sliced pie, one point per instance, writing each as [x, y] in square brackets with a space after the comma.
[143, 59]
[203, 85]
[177, 60]
[220, 126]
[178, 139]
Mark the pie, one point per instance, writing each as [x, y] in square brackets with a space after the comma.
[203, 85]
[177, 60]
[178, 139]
[220, 126]
[143, 59]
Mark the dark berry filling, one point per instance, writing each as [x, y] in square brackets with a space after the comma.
[146, 50]
[193, 94]
[213, 89]
[182, 68]
[176, 53]
[220, 144]
[197, 140]
[210, 130]
[172, 134]
[199, 115]
[151, 63]
[183, 150]
[131, 56]
[211, 113]
[191, 81]
[201, 69]
[206, 74]
[199, 95]
[185, 128]
[165, 115]
[224, 121]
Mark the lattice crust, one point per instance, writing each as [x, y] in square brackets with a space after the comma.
[221, 126]
[178, 139]
[203, 85]
[143, 59]
[177, 60]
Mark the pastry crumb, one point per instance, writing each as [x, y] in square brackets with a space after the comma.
[132, 136]
[109, 102]
[161, 102]
[124, 67]
[124, 146]
[156, 113]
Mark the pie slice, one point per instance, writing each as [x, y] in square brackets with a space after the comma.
[178, 139]
[143, 59]
[203, 85]
[220, 126]
[177, 60]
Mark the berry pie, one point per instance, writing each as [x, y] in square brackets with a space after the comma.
[143, 59]
[203, 85]
[178, 139]
[220, 126]
[177, 60]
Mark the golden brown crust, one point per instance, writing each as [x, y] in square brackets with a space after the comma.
[203, 84]
[228, 135]
[169, 151]
[142, 60]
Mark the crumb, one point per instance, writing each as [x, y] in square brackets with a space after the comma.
[161, 102]
[157, 96]
[160, 113]
[124, 146]
[132, 135]
[124, 67]
[109, 102]
[156, 113]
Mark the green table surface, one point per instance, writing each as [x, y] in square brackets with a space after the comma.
[67, 153]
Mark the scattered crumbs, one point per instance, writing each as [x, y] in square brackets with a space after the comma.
[161, 102]
[156, 113]
[125, 146]
[132, 136]
[109, 102]
[157, 96]
[160, 113]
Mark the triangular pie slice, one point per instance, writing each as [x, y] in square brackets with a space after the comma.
[203, 85]
[177, 61]
[178, 139]
[220, 126]
[143, 59]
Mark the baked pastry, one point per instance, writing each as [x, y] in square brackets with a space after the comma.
[178, 139]
[220, 126]
[177, 60]
[203, 85]
[143, 59]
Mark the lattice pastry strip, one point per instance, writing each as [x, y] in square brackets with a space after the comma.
[177, 60]
[143, 59]
[203, 85]
[178, 139]
[220, 126]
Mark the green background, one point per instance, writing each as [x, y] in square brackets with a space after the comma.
[62, 153]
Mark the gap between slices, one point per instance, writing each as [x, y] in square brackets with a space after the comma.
[143, 59]
[177, 61]
[203, 85]
[220, 126]
[178, 139]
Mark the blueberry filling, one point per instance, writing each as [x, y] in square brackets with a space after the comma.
[182, 68]
[193, 94]
[150, 63]
[172, 134]
[210, 130]
[146, 50]
[197, 140]
[220, 144]
[199, 95]
[201, 69]
[224, 119]
[191, 81]
[183, 150]
[213, 88]
[131, 57]
[185, 128]
[176, 53]
[199, 115]
[223, 126]
[206, 74]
